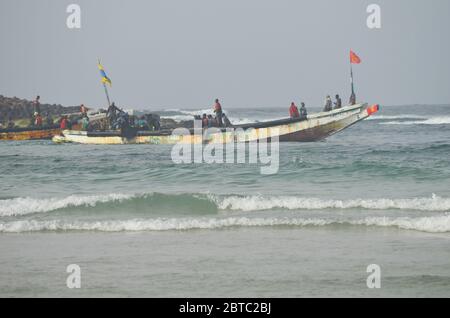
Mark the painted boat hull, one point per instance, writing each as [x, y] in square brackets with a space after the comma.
[30, 134]
[317, 127]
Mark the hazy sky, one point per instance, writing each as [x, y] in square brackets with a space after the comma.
[164, 54]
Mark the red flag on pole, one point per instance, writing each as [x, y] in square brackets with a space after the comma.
[354, 59]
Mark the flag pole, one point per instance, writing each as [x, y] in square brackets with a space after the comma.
[104, 86]
[351, 78]
[107, 95]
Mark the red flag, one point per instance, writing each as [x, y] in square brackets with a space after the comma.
[354, 59]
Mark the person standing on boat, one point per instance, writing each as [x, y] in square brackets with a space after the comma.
[328, 104]
[111, 113]
[11, 124]
[338, 103]
[37, 105]
[85, 123]
[293, 111]
[205, 121]
[303, 111]
[64, 123]
[37, 119]
[83, 109]
[352, 99]
[218, 111]
[48, 120]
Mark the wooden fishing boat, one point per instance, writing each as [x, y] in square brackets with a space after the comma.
[313, 128]
[29, 133]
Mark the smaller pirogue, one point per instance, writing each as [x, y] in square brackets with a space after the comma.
[29, 133]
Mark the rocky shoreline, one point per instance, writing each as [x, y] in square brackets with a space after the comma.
[21, 111]
[16, 109]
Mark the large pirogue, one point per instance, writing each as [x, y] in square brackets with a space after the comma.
[315, 127]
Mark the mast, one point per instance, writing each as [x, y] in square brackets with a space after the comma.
[106, 93]
[351, 79]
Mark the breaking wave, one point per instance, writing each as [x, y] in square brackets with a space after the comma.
[255, 203]
[434, 224]
[22, 206]
[212, 203]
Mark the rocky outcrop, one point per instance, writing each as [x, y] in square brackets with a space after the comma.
[16, 108]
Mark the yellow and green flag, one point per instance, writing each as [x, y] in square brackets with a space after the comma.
[105, 78]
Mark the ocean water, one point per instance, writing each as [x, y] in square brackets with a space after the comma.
[138, 224]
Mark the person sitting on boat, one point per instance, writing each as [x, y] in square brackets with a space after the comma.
[212, 122]
[37, 104]
[37, 120]
[303, 111]
[218, 111]
[112, 113]
[142, 123]
[205, 121]
[226, 121]
[153, 121]
[352, 100]
[85, 123]
[48, 120]
[11, 124]
[328, 104]
[338, 103]
[64, 123]
[293, 111]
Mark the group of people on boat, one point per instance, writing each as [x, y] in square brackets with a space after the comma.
[328, 105]
[219, 120]
[118, 119]
[295, 113]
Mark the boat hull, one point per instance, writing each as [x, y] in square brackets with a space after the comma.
[30, 134]
[316, 127]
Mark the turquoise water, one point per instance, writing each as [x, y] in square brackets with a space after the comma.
[379, 192]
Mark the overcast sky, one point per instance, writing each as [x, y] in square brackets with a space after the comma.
[163, 54]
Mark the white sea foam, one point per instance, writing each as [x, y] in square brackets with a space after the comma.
[434, 224]
[259, 202]
[389, 117]
[22, 206]
[442, 120]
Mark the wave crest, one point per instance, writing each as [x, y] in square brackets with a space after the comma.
[212, 203]
[258, 203]
[434, 224]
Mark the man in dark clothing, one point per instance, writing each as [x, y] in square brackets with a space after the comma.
[226, 121]
[49, 120]
[204, 121]
[303, 111]
[352, 99]
[328, 106]
[338, 103]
